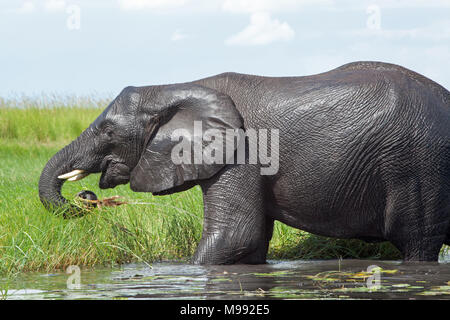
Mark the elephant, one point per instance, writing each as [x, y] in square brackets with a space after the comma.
[363, 153]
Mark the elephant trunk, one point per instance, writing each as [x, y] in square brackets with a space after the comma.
[50, 185]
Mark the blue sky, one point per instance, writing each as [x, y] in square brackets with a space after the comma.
[99, 47]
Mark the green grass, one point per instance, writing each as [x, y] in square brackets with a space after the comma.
[165, 228]
[45, 119]
[33, 239]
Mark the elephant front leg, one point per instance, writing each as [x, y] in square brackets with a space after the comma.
[236, 228]
[227, 246]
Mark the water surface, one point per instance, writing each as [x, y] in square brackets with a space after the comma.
[330, 279]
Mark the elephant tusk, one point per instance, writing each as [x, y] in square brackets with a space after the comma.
[73, 175]
[78, 177]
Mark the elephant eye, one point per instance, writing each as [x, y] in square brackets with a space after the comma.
[109, 133]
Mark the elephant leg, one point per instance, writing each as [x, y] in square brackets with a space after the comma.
[236, 228]
[417, 219]
[259, 255]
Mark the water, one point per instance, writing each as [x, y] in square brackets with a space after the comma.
[331, 279]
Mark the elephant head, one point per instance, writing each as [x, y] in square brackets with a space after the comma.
[131, 142]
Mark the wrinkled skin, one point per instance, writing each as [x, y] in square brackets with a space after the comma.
[364, 153]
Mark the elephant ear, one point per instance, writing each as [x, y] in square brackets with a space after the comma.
[195, 121]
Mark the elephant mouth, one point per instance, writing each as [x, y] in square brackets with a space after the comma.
[113, 173]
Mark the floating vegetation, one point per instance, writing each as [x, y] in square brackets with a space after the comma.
[333, 276]
[436, 291]
[284, 273]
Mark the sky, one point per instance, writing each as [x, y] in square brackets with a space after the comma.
[98, 47]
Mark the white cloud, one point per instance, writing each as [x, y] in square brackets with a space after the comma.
[262, 30]
[47, 5]
[150, 4]
[26, 7]
[178, 35]
[251, 6]
[54, 5]
[234, 6]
